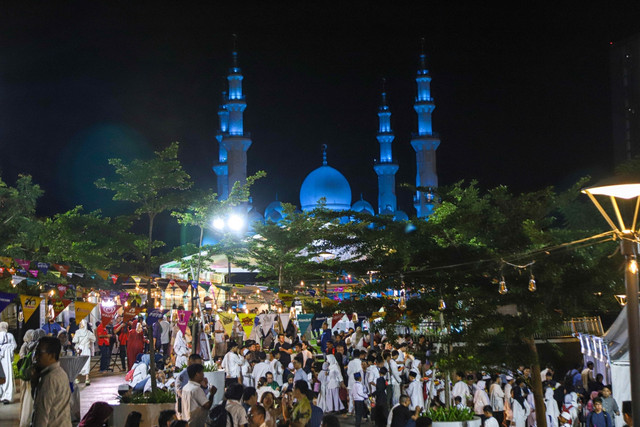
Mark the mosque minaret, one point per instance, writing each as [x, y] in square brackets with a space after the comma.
[424, 143]
[385, 167]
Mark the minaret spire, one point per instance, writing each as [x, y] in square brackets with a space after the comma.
[234, 140]
[386, 168]
[324, 154]
[424, 142]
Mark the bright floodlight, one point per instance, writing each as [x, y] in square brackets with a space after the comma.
[235, 222]
[218, 223]
[622, 191]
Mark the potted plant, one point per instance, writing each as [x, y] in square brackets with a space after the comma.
[148, 404]
[215, 378]
[453, 417]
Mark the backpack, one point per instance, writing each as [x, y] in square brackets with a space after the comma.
[25, 366]
[219, 415]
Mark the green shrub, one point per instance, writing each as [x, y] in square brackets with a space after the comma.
[450, 414]
[159, 396]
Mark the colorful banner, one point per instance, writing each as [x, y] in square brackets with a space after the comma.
[34, 273]
[62, 289]
[336, 318]
[6, 299]
[247, 320]
[43, 267]
[205, 286]
[59, 305]
[108, 312]
[227, 321]
[29, 305]
[56, 273]
[154, 315]
[17, 279]
[124, 297]
[130, 312]
[6, 260]
[136, 279]
[378, 315]
[114, 278]
[82, 310]
[183, 285]
[304, 321]
[183, 319]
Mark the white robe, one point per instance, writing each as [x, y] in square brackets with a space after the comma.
[181, 349]
[84, 339]
[414, 390]
[331, 384]
[551, 406]
[519, 414]
[276, 370]
[7, 347]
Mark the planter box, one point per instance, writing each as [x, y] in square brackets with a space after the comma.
[216, 379]
[473, 423]
[150, 413]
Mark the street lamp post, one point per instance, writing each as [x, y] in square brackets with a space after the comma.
[629, 249]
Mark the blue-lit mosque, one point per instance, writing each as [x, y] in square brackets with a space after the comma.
[326, 182]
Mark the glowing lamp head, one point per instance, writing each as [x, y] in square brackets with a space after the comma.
[218, 223]
[620, 191]
[235, 222]
[441, 305]
[532, 284]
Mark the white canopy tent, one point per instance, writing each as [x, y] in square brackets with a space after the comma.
[617, 340]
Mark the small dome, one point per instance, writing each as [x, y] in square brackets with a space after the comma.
[363, 206]
[274, 211]
[328, 183]
[400, 216]
[387, 211]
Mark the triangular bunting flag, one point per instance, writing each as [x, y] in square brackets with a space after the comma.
[183, 285]
[6, 260]
[59, 305]
[108, 312]
[24, 263]
[205, 286]
[31, 282]
[227, 321]
[136, 279]
[62, 289]
[266, 322]
[103, 273]
[131, 312]
[183, 319]
[34, 273]
[284, 318]
[114, 278]
[304, 321]
[82, 310]
[247, 322]
[336, 318]
[29, 305]
[17, 279]
[12, 270]
[56, 273]
[156, 314]
[63, 269]
[43, 267]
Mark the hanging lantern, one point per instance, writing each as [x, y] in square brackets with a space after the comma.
[532, 284]
[402, 305]
[441, 305]
[503, 287]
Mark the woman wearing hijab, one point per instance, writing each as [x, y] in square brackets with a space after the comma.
[181, 349]
[135, 345]
[7, 347]
[551, 408]
[332, 401]
[97, 415]
[26, 340]
[84, 339]
[571, 406]
[519, 407]
[26, 399]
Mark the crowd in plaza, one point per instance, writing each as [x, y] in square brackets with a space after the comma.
[283, 379]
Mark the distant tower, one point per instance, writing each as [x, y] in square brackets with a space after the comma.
[221, 169]
[424, 142]
[235, 141]
[386, 168]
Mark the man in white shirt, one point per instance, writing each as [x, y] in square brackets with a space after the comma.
[195, 404]
[358, 396]
[373, 373]
[234, 407]
[232, 364]
[276, 366]
[260, 369]
[461, 389]
[51, 406]
[354, 366]
[489, 421]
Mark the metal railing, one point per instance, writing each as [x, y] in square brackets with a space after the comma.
[569, 328]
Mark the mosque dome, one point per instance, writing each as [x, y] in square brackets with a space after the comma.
[253, 216]
[328, 183]
[274, 211]
[363, 206]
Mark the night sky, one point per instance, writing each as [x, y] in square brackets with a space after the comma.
[522, 95]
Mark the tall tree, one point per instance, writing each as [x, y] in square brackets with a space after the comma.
[155, 186]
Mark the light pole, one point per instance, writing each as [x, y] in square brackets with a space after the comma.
[629, 248]
[234, 223]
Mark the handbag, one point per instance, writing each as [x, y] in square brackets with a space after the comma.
[343, 393]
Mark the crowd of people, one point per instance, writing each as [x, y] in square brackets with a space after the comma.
[282, 379]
